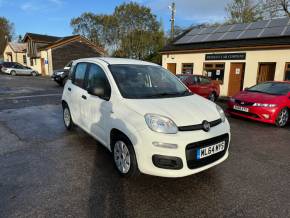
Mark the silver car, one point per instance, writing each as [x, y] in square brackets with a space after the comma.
[14, 69]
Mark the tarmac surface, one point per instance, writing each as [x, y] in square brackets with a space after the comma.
[46, 171]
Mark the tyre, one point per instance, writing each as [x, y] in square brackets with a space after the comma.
[13, 73]
[33, 73]
[282, 117]
[212, 97]
[68, 122]
[124, 157]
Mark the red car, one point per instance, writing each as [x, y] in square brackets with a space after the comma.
[201, 85]
[267, 102]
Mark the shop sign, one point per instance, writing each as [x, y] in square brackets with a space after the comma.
[225, 56]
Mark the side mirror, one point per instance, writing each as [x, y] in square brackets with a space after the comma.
[99, 92]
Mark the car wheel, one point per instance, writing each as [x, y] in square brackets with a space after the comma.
[282, 117]
[13, 73]
[124, 157]
[68, 122]
[33, 73]
[212, 97]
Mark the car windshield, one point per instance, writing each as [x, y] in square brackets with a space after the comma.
[146, 81]
[272, 88]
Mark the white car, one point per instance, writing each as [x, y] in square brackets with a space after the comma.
[14, 69]
[146, 117]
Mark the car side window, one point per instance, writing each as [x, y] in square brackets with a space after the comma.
[97, 79]
[204, 80]
[79, 73]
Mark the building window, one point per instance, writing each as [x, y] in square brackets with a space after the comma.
[215, 71]
[187, 68]
[287, 71]
[266, 72]
[31, 62]
[24, 59]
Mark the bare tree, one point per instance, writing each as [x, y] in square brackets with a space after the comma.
[243, 11]
[275, 8]
[6, 33]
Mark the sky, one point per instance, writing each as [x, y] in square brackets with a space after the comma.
[53, 17]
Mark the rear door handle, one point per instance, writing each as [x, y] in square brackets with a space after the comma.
[84, 97]
[69, 88]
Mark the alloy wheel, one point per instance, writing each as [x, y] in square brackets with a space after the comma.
[283, 117]
[122, 157]
[66, 117]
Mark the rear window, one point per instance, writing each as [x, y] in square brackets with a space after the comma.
[7, 64]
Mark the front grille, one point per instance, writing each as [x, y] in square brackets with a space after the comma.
[199, 126]
[191, 151]
[244, 103]
[245, 113]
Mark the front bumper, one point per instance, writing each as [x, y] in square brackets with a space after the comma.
[262, 114]
[183, 157]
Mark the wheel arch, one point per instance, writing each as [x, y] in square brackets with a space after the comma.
[114, 134]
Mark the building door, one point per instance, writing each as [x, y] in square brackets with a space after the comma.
[171, 67]
[42, 66]
[236, 79]
[266, 72]
[287, 72]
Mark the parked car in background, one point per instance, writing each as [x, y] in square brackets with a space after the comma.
[60, 76]
[267, 102]
[201, 85]
[14, 68]
[1, 63]
[146, 117]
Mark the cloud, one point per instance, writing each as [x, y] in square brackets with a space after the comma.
[35, 5]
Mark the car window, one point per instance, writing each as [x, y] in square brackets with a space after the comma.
[204, 80]
[195, 80]
[97, 79]
[145, 81]
[79, 74]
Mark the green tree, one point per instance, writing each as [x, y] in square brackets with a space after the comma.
[243, 11]
[131, 31]
[6, 33]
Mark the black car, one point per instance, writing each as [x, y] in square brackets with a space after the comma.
[60, 76]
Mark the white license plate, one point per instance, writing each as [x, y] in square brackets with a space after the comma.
[239, 108]
[210, 150]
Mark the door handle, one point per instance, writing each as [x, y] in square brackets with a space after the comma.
[69, 88]
[84, 97]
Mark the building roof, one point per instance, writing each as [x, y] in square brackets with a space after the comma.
[18, 47]
[265, 32]
[41, 38]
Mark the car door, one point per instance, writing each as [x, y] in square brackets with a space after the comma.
[76, 91]
[193, 84]
[96, 111]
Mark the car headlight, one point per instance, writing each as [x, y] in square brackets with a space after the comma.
[221, 112]
[59, 73]
[264, 105]
[158, 123]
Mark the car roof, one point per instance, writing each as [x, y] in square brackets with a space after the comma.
[112, 61]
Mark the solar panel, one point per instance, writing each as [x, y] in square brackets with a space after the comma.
[231, 35]
[194, 31]
[250, 34]
[287, 32]
[278, 22]
[258, 25]
[208, 30]
[200, 38]
[274, 31]
[223, 29]
[184, 40]
[240, 26]
[214, 37]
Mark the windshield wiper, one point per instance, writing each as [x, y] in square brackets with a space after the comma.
[169, 94]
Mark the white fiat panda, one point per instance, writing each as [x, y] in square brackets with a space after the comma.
[145, 116]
